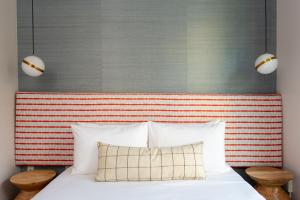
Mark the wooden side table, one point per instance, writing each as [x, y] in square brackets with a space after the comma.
[269, 181]
[31, 182]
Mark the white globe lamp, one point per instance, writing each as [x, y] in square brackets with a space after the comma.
[266, 63]
[33, 66]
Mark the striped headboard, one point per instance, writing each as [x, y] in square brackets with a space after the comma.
[43, 135]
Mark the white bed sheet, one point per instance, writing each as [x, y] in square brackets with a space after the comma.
[226, 186]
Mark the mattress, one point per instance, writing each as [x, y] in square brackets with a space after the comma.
[225, 186]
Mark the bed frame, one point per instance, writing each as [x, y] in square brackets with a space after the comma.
[43, 136]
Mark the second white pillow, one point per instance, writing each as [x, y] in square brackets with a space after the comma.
[212, 135]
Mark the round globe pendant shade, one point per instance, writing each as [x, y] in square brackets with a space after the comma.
[266, 63]
[33, 66]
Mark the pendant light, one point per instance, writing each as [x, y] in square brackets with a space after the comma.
[33, 65]
[266, 63]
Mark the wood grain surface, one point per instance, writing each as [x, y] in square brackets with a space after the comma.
[31, 182]
[269, 181]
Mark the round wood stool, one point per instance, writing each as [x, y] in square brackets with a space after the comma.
[269, 181]
[31, 182]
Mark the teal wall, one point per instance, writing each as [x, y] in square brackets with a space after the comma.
[201, 46]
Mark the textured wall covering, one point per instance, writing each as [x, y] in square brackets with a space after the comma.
[147, 45]
[253, 135]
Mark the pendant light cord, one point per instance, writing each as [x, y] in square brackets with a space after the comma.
[266, 26]
[32, 25]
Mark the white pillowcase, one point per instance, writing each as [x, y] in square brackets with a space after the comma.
[86, 137]
[212, 135]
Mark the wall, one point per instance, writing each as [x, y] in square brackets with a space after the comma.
[8, 87]
[288, 83]
[204, 46]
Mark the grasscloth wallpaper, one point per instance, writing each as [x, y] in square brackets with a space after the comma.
[202, 46]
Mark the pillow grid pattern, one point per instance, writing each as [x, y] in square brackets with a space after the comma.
[119, 163]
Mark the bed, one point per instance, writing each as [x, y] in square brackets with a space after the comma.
[226, 186]
[253, 137]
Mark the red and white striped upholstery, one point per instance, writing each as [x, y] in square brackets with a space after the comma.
[43, 135]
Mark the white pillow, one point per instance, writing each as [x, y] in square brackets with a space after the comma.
[212, 135]
[102, 125]
[87, 136]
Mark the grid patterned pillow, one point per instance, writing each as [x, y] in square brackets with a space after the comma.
[118, 163]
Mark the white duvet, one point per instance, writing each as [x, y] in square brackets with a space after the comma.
[225, 186]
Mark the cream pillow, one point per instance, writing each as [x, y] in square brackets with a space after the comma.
[119, 163]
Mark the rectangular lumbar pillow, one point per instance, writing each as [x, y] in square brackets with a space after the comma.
[119, 163]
